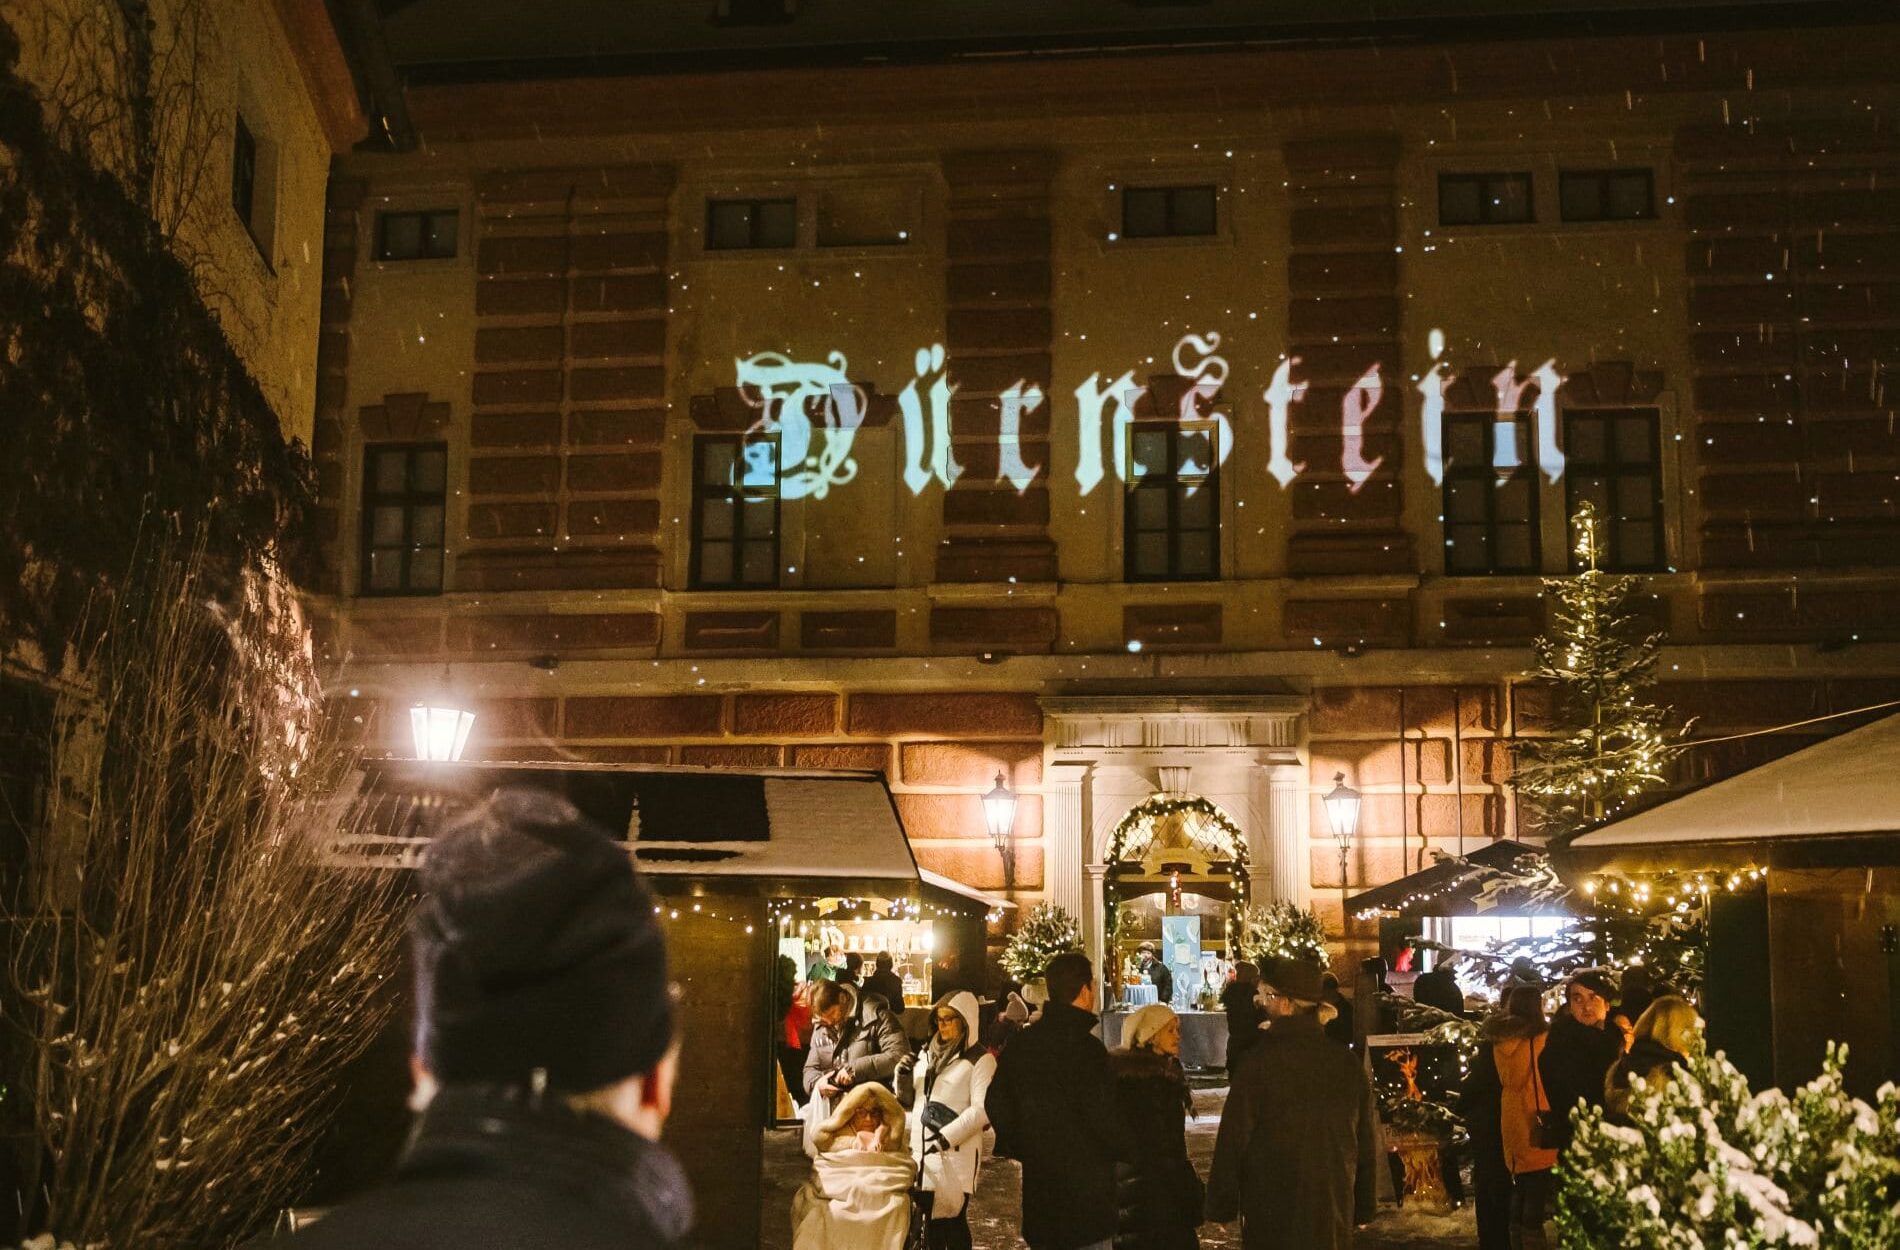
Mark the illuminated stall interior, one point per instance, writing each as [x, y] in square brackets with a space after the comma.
[1176, 878]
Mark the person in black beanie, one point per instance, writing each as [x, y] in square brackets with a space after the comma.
[545, 1053]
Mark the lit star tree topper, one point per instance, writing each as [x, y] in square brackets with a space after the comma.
[1610, 743]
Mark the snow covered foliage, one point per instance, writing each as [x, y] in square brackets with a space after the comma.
[1706, 1163]
[1281, 930]
[1048, 932]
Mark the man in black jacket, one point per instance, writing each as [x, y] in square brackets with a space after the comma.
[1053, 1106]
[545, 1053]
[885, 982]
[1581, 1048]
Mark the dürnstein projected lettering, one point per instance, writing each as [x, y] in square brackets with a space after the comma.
[814, 411]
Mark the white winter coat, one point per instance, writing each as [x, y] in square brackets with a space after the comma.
[962, 1085]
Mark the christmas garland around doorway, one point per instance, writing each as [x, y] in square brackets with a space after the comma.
[1145, 815]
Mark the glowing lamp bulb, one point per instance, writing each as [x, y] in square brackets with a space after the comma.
[440, 733]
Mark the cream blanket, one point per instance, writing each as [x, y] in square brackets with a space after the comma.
[854, 1200]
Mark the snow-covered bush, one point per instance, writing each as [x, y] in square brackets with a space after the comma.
[1705, 1162]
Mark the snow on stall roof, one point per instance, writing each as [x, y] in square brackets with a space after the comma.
[1849, 784]
[952, 886]
[816, 826]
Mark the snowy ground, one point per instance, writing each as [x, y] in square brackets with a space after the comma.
[994, 1215]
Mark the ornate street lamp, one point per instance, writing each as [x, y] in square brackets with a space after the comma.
[1342, 812]
[440, 732]
[999, 812]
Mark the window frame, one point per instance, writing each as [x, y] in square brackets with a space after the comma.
[1483, 179]
[1613, 469]
[702, 490]
[245, 164]
[1603, 178]
[408, 499]
[1487, 474]
[1171, 483]
[1172, 191]
[381, 237]
[753, 203]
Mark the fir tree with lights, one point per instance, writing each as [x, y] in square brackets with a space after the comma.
[1612, 743]
[1281, 930]
[1047, 932]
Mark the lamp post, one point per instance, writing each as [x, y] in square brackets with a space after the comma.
[999, 812]
[1342, 812]
[440, 732]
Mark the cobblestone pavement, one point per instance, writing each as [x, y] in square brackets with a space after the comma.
[995, 1212]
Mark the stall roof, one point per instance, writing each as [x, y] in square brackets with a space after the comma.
[937, 880]
[834, 830]
[1455, 886]
[1845, 787]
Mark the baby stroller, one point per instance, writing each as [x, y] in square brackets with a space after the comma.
[858, 1196]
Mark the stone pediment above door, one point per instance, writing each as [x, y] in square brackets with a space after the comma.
[1088, 725]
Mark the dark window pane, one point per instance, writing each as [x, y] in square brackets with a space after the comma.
[1196, 508]
[716, 463]
[1635, 440]
[760, 517]
[1635, 498]
[425, 526]
[385, 526]
[1465, 549]
[243, 171]
[1197, 554]
[439, 240]
[715, 518]
[1508, 198]
[1458, 201]
[775, 224]
[1465, 501]
[1195, 457]
[1594, 490]
[1144, 212]
[390, 472]
[728, 224]
[1636, 545]
[760, 565]
[1150, 508]
[1585, 440]
[1514, 548]
[1193, 211]
[715, 563]
[430, 472]
[1631, 196]
[385, 570]
[425, 569]
[402, 236]
[1151, 555]
[1514, 497]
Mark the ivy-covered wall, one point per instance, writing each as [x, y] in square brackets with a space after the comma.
[125, 404]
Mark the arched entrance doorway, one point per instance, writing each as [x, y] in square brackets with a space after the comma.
[1176, 875]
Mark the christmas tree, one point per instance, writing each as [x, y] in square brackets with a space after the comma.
[1704, 1161]
[1281, 931]
[1049, 931]
[1611, 744]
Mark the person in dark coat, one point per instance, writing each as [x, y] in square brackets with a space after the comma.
[885, 983]
[1053, 1106]
[1340, 1027]
[852, 973]
[1639, 989]
[1159, 1196]
[1666, 1034]
[1244, 1017]
[1581, 1048]
[1296, 1157]
[545, 1052]
[1439, 988]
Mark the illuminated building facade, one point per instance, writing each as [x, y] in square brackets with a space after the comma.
[1086, 417]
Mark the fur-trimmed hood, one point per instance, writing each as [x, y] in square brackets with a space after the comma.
[895, 1120]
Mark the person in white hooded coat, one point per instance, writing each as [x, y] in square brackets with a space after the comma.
[944, 1087]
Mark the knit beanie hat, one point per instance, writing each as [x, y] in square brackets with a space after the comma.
[1597, 980]
[537, 949]
[1145, 1024]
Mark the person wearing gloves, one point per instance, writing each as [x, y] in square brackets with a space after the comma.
[858, 1194]
[1158, 1194]
[945, 1088]
[855, 1038]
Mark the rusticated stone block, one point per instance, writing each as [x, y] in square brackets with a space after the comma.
[499, 720]
[535, 297]
[557, 634]
[1432, 816]
[1329, 555]
[785, 715]
[1382, 763]
[510, 520]
[977, 628]
[981, 867]
[514, 475]
[498, 344]
[515, 429]
[632, 471]
[996, 560]
[640, 292]
[373, 636]
[604, 429]
[619, 382]
[749, 755]
[593, 517]
[1172, 624]
[944, 714]
[594, 339]
[518, 387]
[1002, 505]
[870, 630]
[870, 757]
[621, 567]
[1435, 709]
[731, 631]
[1354, 710]
[643, 716]
[971, 764]
[1335, 622]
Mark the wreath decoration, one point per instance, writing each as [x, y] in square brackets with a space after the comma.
[1149, 811]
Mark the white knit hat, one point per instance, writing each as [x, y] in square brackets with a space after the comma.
[1145, 1023]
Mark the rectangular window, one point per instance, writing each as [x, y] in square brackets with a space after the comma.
[1171, 531]
[745, 225]
[1490, 512]
[244, 174]
[428, 235]
[1613, 458]
[1606, 194]
[1484, 199]
[405, 488]
[735, 512]
[1168, 212]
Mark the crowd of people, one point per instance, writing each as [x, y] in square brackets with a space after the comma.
[546, 1054]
